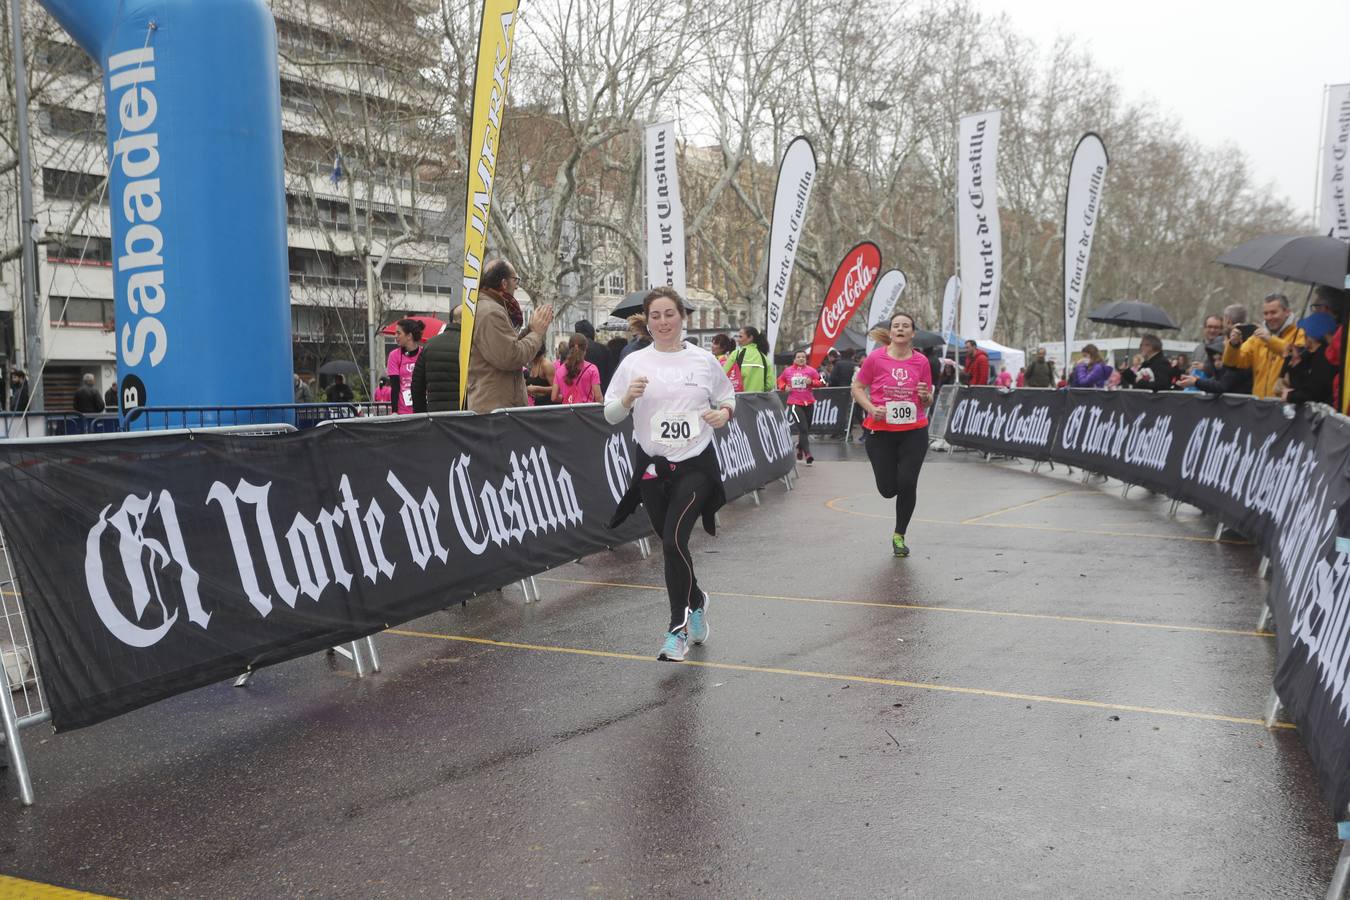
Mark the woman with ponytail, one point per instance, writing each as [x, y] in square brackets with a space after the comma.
[753, 360]
[577, 381]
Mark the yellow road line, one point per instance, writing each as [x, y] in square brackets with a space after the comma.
[1007, 509]
[852, 679]
[829, 504]
[1087, 620]
[19, 889]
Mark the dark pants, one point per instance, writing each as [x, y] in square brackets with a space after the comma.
[897, 457]
[675, 506]
[801, 420]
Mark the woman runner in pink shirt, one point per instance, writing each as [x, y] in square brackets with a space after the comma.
[576, 381]
[798, 379]
[894, 385]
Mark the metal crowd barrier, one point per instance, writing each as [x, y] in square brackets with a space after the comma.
[22, 700]
[300, 415]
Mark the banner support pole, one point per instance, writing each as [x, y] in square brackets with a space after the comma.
[13, 742]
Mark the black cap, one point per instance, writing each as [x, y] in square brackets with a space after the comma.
[583, 326]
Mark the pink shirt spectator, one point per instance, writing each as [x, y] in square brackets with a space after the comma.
[1004, 379]
[798, 381]
[896, 381]
[383, 394]
[401, 367]
[583, 389]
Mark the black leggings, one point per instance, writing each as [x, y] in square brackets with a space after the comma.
[897, 457]
[675, 506]
[801, 418]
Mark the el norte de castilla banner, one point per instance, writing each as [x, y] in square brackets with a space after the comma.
[977, 224]
[665, 212]
[153, 565]
[1274, 473]
[1082, 206]
[796, 175]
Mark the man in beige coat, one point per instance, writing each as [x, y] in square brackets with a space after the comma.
[499, 353]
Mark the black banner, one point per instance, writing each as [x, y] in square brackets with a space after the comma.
[1016, 423]
[1279, 474]
[829, 414]
[153, 565]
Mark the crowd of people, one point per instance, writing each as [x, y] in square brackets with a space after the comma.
[1282, 357]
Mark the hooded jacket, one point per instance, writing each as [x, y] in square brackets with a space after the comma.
[1265, 357]
[435, 378]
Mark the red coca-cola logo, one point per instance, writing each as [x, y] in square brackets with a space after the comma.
[852, 281]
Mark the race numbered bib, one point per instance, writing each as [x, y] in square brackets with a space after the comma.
[798, 382]
[675, 429]
[901, 412]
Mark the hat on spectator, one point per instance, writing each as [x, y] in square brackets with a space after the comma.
[1318, 325]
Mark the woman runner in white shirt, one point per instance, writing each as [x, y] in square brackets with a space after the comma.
[677, 394]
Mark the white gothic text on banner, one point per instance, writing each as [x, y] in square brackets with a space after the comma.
[1082, 204]
[665, 214]
[796, 175]
[884, 297]
[1333, 191]
[981, 262]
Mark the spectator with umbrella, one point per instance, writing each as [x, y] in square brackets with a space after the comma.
[1155, 372]
[1308, 372]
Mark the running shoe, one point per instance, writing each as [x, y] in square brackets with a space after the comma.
[698, 622]
[810, 459]
[898, 545]
[673, 649]
[799, 452]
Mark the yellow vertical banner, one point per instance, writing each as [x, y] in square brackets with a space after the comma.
[496, 33]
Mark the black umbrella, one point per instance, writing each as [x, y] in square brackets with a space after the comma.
[339, 367]
[632, 303]
[927, 340]
[1133, 314]
[1305, 258]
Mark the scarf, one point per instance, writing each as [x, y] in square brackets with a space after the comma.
[512, 309]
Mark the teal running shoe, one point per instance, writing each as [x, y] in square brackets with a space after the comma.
[677, 642]
[698, 622]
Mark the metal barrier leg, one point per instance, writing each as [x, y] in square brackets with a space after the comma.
[1125, 491]
[1340, 877]
[1273, 707]
[535, 586]
[356, 658]
[17, 761]
[374, 654]
[1218, 532]
[644, 547]
[1172, 510]
[243, 679]
[755, 495]
[1263, 622]
[787, 482]
[525, 589]
[1263, 569]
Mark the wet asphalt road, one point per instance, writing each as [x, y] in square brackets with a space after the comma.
[1057, 695]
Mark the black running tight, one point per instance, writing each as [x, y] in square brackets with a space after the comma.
[801, 419]
[897, 457]
[675, 506]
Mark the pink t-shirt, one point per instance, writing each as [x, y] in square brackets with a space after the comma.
[893, 386]
[798, 381]
[583, 389]
[382, 394]
[401, 366]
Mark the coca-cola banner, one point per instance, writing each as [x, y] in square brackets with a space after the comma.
[796, 175]
[1082, 204]
[665, 214]
[856, 275]
[1275, 473]
[889, 287]
[153, 565]
[978, 235]
[1333, 176]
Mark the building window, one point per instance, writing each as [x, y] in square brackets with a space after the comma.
[58, 184]
[615, 282]
[80, 312]
[81, 250]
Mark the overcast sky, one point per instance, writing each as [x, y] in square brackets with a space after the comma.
[1242, 72]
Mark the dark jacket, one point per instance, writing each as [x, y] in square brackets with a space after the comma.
[110, 398]
[1227, 381]
[1310, 381]
[598, 355]
[18, 397]
[435, 378]
[88, 400]
[339, 393]
[705, 462]
[842, 373]
[1040, 373]
[1162, 374]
